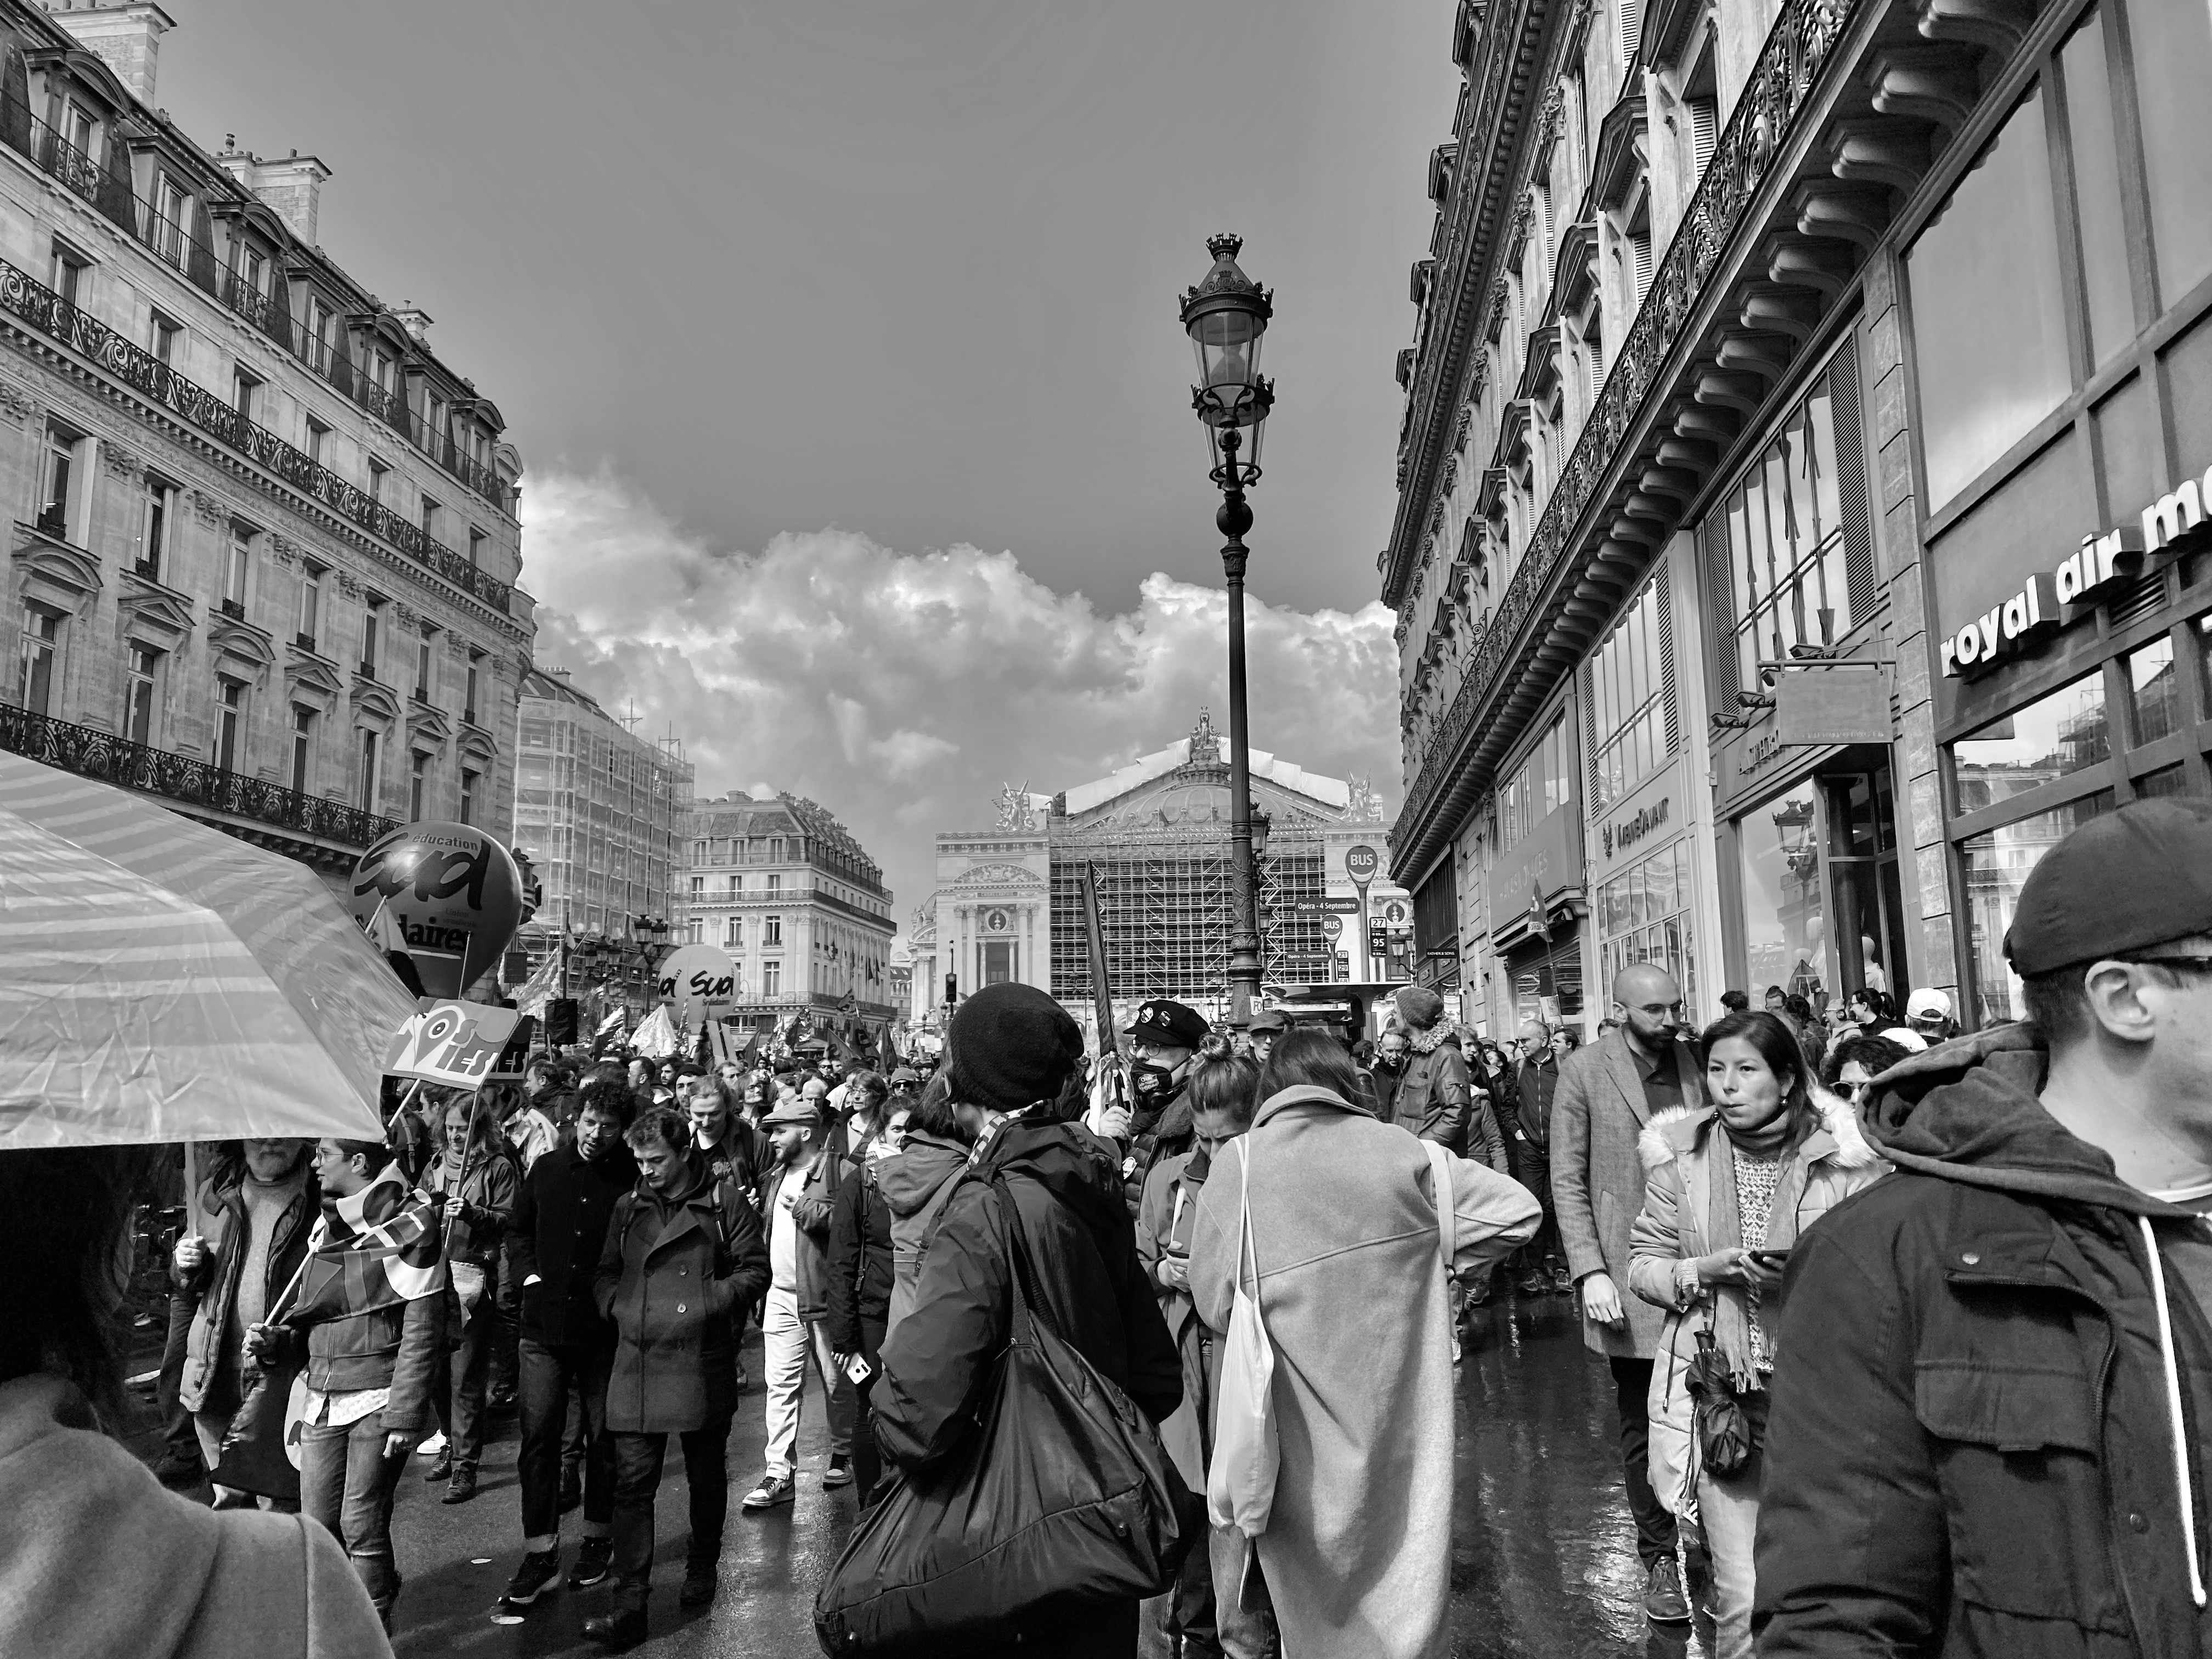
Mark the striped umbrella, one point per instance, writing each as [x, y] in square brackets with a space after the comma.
[160, 981]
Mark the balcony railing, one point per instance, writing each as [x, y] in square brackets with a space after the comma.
[172, 244]
[64, 160]
[257, 308]
[45, 310]
[440, 447]
[111, 759]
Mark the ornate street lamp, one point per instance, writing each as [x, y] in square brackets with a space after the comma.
[1227, 317]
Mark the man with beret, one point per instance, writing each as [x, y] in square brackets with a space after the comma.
[1009, 1052]
[1988, 1429]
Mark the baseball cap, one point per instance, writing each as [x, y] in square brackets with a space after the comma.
[806, 1111]
[2119, 883]
[1167, 1022]
[1268, 1022]
[1928, 1003]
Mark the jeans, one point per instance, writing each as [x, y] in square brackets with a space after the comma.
[790, 1345]
[1244, 1631]
[551, 1374]
[1655, 1522]
[457, 1391]
[1532, 1168]
[638, 1459]
[1729, 1506]
[347, 1483]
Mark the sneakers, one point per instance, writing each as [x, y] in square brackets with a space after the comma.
[591, 1558]
[617, 1629]
[1664, 1603]
[698, 1585]
[773, 1489]
[1534, 1283]
[839, 1474]
[443, 1468]
[464, 1486]
[534, 1576]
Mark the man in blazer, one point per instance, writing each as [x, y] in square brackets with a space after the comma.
[1606, 1093]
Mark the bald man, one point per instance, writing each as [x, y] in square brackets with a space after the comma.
[1606, 1093]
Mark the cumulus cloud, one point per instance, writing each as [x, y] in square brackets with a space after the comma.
[903, 690]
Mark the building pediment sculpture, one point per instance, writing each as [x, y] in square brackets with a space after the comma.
[1016, 810]
[1001, 875]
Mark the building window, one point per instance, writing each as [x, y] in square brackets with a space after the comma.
[236, 567]
[429, 517]
[1539, 786]
[367, 780]
[311, 605]
[2153, 691]
[67, 273]
[424, 665]
[229, 724]
[735, 934]
[303, 748]
[162, 339]
[698, 889]
[476, 545]
[38, 658]
[63, 449]
[774, 883]
[1629, 696]
[469, 706]
[771, 930]
[418, 777]
[245, 393]
[141, 692]
[1789, 547]
[771, 979]
[1643, 916]
[2173, 51]
[378, 473]
[371, 623]
[318, 437]
[1996, 866]
[2051, 738]
[154, 534]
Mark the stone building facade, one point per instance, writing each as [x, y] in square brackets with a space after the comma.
[262, 551]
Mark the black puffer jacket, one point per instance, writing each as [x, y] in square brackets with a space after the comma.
[1972, 1450]
[1084, 1247]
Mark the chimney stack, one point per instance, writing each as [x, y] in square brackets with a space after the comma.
[126, 36]
[293, 187]
[415, 320]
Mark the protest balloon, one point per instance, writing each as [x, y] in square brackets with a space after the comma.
[453, 890]
[701, 981]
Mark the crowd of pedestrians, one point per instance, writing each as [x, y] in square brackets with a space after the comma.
[1909, 1332]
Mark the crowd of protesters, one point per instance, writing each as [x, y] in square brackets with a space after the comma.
[1909, 1332]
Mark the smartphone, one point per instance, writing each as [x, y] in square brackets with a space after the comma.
[1772, 1258]
[857, 1368]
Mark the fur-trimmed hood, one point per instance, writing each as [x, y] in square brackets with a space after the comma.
[1840, 1138]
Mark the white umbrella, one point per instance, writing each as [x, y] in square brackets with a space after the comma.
[160, 981]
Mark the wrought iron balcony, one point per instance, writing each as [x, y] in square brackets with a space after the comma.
[180, 778]
[440, 447]
[64, 160]
[265, 313]
[43, 309]
[172, 245]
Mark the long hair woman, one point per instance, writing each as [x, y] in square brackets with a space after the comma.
[1730, 1187]
[1346, 1253]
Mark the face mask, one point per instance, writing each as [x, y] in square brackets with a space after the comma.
[1150, 1079]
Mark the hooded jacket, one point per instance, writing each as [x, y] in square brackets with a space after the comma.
[916, 1185]
[1438, 1099]
[1678, 1148]
[1989, 1417]
[212, 1291]
[1080, 1242]
[97, 1560]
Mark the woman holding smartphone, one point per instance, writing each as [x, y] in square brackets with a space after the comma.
[1730, 1187]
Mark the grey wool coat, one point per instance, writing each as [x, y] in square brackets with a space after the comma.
[1597, 1177]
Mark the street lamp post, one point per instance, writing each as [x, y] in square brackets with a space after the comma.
[1227, 317]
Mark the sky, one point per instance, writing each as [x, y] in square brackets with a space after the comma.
[840, 343]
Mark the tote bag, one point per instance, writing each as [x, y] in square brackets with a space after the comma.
[1240, 1481]
[1061, 1493]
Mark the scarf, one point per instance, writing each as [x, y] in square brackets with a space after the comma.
[1733, 1310]
[1424, 1042]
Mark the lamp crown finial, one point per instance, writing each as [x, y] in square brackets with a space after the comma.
[1224, 245]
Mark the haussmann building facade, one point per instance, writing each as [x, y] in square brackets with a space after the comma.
[1803, 478]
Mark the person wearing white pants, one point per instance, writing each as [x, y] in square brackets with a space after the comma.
[791, 1342]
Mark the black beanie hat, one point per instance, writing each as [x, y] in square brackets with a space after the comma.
[1009, 1046]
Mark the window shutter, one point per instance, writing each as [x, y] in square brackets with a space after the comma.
[1640, 244]
[1720, 604]
[1631, 29]
[1586, 688]
[1705, 130]
[1665, 591]
[1850, 484]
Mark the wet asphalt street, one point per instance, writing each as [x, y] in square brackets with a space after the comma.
[1544, 1556]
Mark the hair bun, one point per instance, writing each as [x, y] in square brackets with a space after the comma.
[1213, 1046]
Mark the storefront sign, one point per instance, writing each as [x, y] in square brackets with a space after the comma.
[1639, 821]
[2117, 555]
[1822, 705]
[1543, 863]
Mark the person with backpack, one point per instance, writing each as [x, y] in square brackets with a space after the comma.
[682, 1251]
[1054, 1190]
[1335, 1222]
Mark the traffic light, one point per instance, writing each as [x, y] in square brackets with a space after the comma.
[951, 989]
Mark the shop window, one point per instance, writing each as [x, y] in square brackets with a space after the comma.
[1540, 787]
[1644, 916]
[1628, 699]
[1788, 546]
[1989, 329]
[2094, 143]
[1785, 917]
[2172, 49]
[1995, 866]
[2053, 738]
[2155, 691]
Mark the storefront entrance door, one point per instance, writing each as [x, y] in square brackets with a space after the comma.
[1823, 914]
[1862, 882]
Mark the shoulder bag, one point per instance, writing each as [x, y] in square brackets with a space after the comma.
[1060, 1494]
